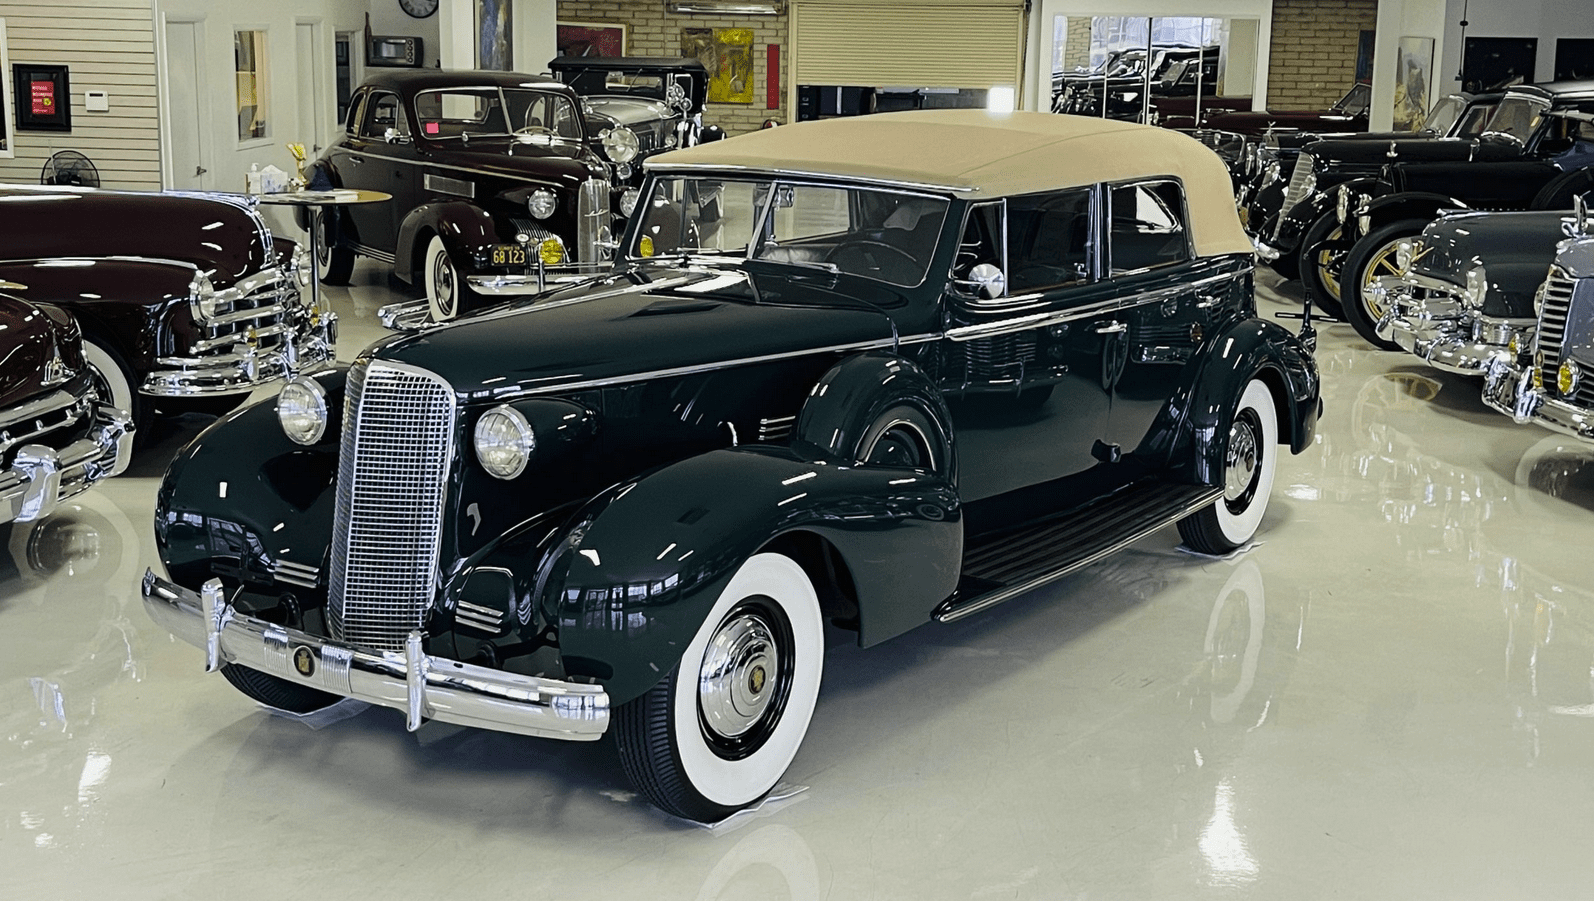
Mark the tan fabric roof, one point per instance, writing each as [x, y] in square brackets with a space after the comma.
[979, 154]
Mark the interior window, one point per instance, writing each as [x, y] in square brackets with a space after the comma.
[381, 113]
[1147, 226]
[1048, 239]
[981, 241]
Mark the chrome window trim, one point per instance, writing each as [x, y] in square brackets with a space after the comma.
[575, 108]
[376, 95]
[1184, 223]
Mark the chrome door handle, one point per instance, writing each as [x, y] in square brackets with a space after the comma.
[1207, 303]
[356, 159]
[1113, 328]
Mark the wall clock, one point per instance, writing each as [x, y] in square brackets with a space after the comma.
[420, 9]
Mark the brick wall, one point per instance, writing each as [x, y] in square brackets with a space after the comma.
[653, 32]
[1313, 54]
[1076, 50]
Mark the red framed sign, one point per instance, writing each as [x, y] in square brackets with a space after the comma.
[43, 97]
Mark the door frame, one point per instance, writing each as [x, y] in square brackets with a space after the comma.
[163, 88]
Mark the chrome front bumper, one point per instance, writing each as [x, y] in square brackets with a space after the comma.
[1441, 329]
[424, 687]
[1509, 389]
[309, 350]
[1266, 252]
[41, 477]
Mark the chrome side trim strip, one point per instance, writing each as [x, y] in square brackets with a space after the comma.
[1055, 317]
[442, 184]
[1007, 594]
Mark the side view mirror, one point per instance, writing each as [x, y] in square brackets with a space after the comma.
[985, 281]
[392, 136]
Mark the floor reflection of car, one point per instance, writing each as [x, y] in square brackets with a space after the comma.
[488, 171]
[187, 302]
[57, 436]
[875, 371]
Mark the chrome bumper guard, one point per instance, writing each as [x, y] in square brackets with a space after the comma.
[1440, 329]
[1267, 252]
[1510, 390]
[405, 315]
[247, 368]
[424, 687]
[41, 477]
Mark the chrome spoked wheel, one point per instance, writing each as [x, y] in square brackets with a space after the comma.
[1374, 257]
[1329, 263]
[1381, 263]
[745, 679]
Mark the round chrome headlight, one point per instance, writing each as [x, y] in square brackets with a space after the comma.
[628, 201]
[504, 442]
[621, 144]
[1477, 287]
[302, 411]
[1567, 377]
[542, 203]
[202, 300]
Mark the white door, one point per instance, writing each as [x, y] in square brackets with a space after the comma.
[190, 144]
[314, 108]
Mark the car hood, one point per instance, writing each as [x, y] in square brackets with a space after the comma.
[31, 337]
[631, 111]
[222, 237]
[571, 162]
[1515, 250]
[1411, 149]
[650, 320]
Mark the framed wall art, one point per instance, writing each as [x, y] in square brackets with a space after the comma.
[43, 97]
[1413, 75]
[493, 36]
[590, 39]
[727, 54]
[8, 140]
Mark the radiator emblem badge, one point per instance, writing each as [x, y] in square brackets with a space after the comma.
[304, 661]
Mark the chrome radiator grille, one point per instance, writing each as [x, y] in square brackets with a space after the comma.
[398, 425]
[1302, 181]
[258, 304]
[1552, 320]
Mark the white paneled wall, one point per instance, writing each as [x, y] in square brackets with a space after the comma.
[108, 45]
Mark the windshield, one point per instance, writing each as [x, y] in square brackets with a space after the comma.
[1443, 115]
[1517, 117]
[1354, 103]
[875, 233]
[477, 112]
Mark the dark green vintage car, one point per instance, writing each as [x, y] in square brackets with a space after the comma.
[874, 372]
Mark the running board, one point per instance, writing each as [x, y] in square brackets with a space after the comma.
[1005, 565]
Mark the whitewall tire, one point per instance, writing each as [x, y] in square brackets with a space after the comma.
[721, 729]
[1250, 457]
[444, 285]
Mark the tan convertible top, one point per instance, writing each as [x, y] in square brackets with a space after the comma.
[980, 154]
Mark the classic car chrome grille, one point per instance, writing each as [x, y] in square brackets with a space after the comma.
[398, 430]
[1552, 320]
[592, 230]
[257, 310]
[33, 420]
[1300, 176]
[531, 230]
[1001, 359]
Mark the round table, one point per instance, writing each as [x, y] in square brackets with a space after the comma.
[319, 199]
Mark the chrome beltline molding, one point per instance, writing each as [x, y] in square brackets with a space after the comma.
[1057, 317]
[425, 164]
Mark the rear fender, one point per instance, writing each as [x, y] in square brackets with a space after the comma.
[464, 227]
[646, 560]
[1252, 349]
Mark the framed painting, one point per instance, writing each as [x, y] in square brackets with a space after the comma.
[590, 39]
[7, 136]
[1413, 75]
[494, 36]
[727, 54]
[43, 97]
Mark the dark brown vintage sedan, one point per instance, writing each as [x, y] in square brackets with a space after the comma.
[185, 301]
[57, 437]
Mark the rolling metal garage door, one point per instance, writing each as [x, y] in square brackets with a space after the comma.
[924, 43]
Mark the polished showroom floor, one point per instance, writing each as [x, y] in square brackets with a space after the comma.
[1388, 697]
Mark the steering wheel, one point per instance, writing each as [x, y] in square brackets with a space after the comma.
[862, 258]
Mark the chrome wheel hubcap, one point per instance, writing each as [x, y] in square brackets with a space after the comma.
[1242, 462]
[737, 683]
[443, 283]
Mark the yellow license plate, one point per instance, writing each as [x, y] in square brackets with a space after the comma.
[508, 255]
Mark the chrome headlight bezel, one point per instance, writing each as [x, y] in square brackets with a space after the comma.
[302, 267]
[542, 203]
[1477, 287]
[203, 301]
[302, 411]
[620, 144]
[504, 442]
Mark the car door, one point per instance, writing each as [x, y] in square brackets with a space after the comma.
[378, 155]
[1164, 301]
[1022, 370]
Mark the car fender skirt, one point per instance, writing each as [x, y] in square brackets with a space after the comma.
[1252, 349]
[648, 558]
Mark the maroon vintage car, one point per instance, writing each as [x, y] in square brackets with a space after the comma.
[185, 301]
[1347, 115]
[56, 436]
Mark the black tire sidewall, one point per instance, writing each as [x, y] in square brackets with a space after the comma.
[1311, 276]
[1351, 277]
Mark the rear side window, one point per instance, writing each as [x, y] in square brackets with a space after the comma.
[1048, 239]
[1147, 226]
[381, 113]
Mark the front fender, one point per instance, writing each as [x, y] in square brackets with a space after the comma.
[647, 559]
[241, 494]
[138, 307]
[464, 227]
[1251, 349]
[1423, 205]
